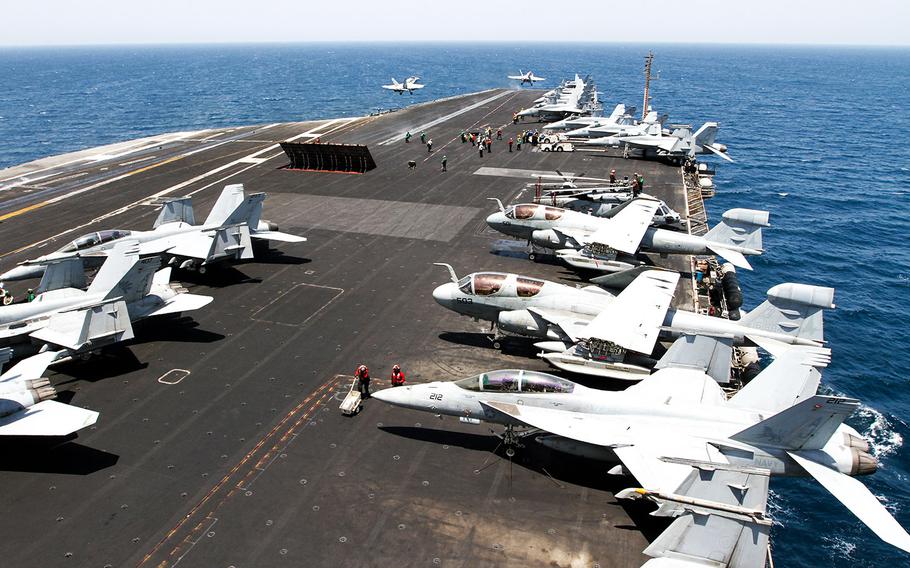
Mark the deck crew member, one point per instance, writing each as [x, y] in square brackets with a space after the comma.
[445, 160]
[510, 144]
[407, 137]
[397, 376]
[613, 177]
[429, 145]
[363, 380]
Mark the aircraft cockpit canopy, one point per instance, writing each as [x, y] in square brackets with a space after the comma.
[516, 381]
[94, 239]
[528, 211]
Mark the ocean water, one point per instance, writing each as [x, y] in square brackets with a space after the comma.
[817, 134]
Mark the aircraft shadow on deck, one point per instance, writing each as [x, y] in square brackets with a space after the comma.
[558, 466]
[111, 362]
[216, 276]
[52, 455]
[183, 329]
[517, 346]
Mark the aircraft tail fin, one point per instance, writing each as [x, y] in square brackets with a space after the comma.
[176, 210]
[740, 228]
[124, 275]
[230, 199]
[793, 309]
[618, 111]
[705, 135]
[792, 377]
[231, 242]
[807, 425]
[65, 273]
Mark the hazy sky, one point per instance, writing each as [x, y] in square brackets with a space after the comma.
[66, 22]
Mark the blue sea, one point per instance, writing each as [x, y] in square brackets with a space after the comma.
[818, 134]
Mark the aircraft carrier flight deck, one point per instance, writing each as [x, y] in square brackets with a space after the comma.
[220, 441]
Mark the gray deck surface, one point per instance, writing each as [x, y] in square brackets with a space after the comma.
[247, 460]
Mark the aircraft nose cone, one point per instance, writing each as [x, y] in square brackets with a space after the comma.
[398, 396]
[443, 294]
[495, 220]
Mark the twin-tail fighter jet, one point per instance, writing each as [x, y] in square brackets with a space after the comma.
[680, 144]
[528, 77]
[226, 234]
[610, 245]
[63, 315]
[592, 331]
[26, 405]
[410, 85]
[705, 459]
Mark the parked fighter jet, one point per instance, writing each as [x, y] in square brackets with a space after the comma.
[410, 85]
[590, 331]
[225, 235]
[703, 457]
[125, 289]
[26, 408]
[610, 244]
[528, 77]
[619, 115]
[681, 144]
[651, 125]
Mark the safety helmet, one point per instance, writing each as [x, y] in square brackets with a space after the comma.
[396, 368]
[362, 368]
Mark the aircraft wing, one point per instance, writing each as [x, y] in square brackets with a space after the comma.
[570, 323]
[859, 500]
[720, 516]
[626, 228]
[47, 418]
[182, 303]
[516, 77]
[634, 319]
[277, 236]
[640, 449]
[189, 245]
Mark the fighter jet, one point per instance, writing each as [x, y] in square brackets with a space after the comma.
[680, 144]
[410, 85]
[528, 77]
[577, 97]
[226, 234]
[592, 331]
[26, 405]
[703, 457]
[609, 245]
[619, 115]
[651, 125]
[125, 289]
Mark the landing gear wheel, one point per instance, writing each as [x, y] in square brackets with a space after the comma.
[510, 452]
[497, 344]
[202, 269]
[532, 256]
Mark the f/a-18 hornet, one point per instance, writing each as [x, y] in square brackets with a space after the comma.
[589, 330]
[528, 77]
[125, 289]
[226, 234]
[410, 85]
[703, 458]
[610, 245]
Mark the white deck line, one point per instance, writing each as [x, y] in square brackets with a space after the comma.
[441, 119]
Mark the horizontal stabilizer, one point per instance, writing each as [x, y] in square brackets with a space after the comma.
[231, 242]
[735, 258]
[277, 236]
[861, 502]
[182, 303]
[621, 279]
[30, 368]
[710, 355]
[97, 325]
[808, 425]
[47, 418]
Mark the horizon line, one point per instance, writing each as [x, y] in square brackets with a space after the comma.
[452, 41]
